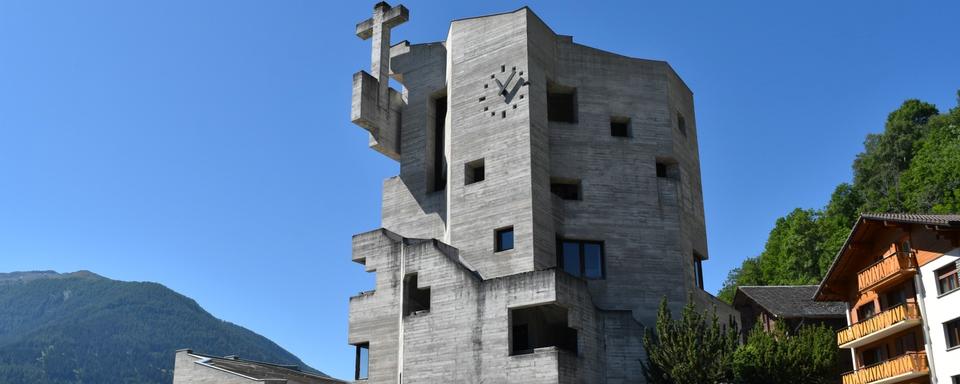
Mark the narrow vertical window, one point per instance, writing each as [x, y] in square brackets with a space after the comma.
[362, 362]
[504, 239]
[439, 128]
[415, 299]
[698, 269]
[681, 124]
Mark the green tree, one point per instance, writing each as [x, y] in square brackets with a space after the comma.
[808, 357]
[695, 349]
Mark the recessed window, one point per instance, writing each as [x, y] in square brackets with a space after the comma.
[947, 278]
[582, 258]
[362, 361]
[439, 173]
[866, 311]
[561, 103]
[540, 326]
[952, 328]
[661, 169]
[698, 269]
[620, 126]
[873, 355]
[682, 124]
[566, 189]
[473, 172]
[504, 239]
[415, 299]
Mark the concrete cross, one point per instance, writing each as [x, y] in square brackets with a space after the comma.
[378, 27]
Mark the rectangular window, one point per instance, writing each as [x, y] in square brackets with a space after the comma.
[620, 126]
[362, 362]
[540, 326]
[504, 239]
[873, 355]
[698, 269]
[661, 170]
[439, 158]
[866, 311]
[682, 124]
[565, 189]
[561, 103]
[415, 299]
[947, 279]
[473, 172]
[582, 258]
[952, 328]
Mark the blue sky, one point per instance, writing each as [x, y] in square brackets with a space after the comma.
[206, 145]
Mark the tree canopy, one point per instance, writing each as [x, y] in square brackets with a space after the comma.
[912, 166]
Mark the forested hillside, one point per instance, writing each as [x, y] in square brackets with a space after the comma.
[84, 328]
[913, 166]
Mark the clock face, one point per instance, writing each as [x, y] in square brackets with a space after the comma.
[502, 91]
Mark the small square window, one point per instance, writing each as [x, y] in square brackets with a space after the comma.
[620, 126]
[561, 103]
[566, 189]
[661, 170]
[947, 280]
[504, 239]
[473, 172]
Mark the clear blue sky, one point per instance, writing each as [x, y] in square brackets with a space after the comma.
[206, 145]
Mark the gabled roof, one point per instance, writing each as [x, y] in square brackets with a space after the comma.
[261, 371]
[938, 221]
[789, 301]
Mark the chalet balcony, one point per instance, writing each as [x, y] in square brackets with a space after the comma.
[889, 270]
[879, 326]
[898, 369]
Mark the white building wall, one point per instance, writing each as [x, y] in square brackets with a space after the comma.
[939, 310]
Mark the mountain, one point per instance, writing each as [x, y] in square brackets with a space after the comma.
[84, 328]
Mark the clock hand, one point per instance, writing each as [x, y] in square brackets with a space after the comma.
[516, 88]
[499, 85]
[503, 90]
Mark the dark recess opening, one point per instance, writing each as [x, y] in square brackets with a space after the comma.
[504, 239]
[414, 299]
[541, 326]
[681, 124]
[561, 103]
[565, 189]
[619, 127]
[473, 172]
[439, 127]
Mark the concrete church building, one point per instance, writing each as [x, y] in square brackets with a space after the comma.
[549, 196]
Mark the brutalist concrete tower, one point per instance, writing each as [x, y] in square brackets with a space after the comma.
[549, 196]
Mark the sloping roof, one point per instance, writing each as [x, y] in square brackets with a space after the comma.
[790, 301]
[916, 218]
[258, 370]
[952, 221]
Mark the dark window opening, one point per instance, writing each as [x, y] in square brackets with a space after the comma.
[667, 168]
[952, 328]
[439, 159]
[582, 258]
[415, 299]
[504, 239]
[956, 379]
[873, 355]
[561, 103]
[567, 189]
[895, 297]
[947, 278]
[682, 124]
[473, 172]
[905, 343]
[661, 170]
[698, 269]
[541, 326]
[362, 361]
[620, 126]
[866, 311]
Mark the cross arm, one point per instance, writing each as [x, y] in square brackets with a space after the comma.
[392, 17]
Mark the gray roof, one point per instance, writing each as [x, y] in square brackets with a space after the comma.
[259, 370]
[950, 220]
[790, 301]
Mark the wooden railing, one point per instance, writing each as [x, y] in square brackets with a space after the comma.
[912, 362]
[878, 322]
[886, 267]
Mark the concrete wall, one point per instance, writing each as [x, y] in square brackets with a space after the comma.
[939, 310]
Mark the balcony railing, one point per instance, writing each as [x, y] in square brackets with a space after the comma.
[896, 264]
[910, 365]
[879, 322]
